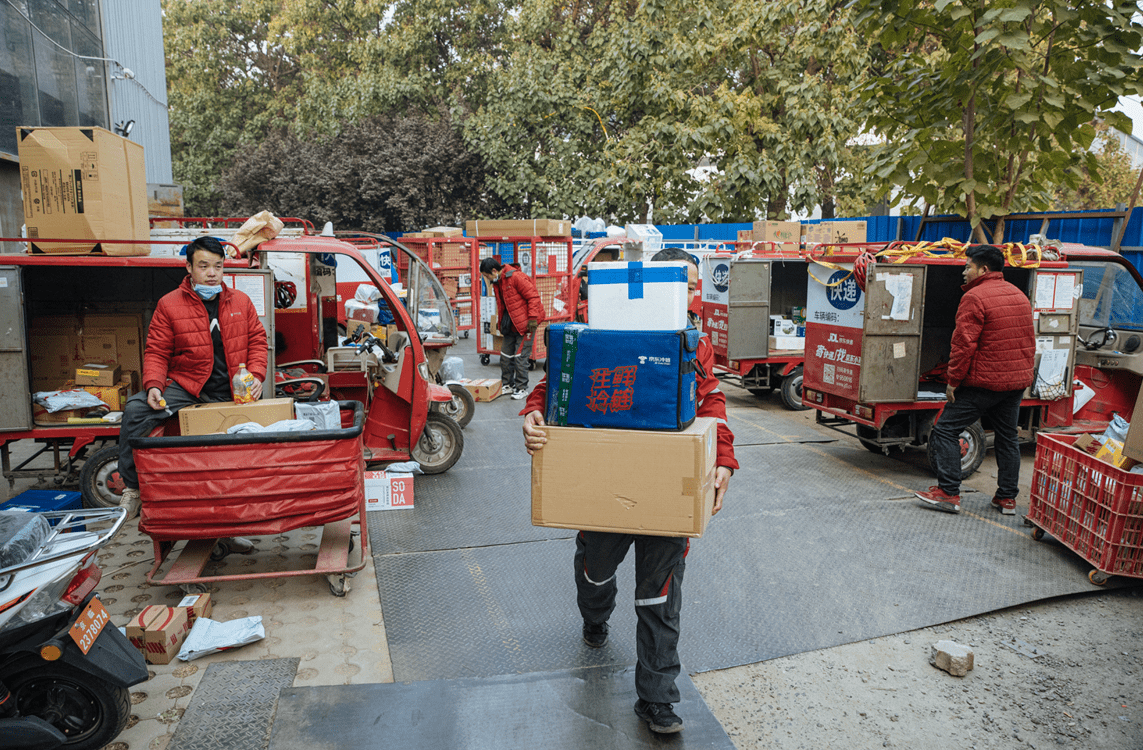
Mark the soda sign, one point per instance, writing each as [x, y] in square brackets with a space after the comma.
[388, 490]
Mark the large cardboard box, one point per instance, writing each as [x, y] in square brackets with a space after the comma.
[86, 184]
[158, 632]
[443, 232]
[788, 234]
[630, 481]
[207, 419]
[518, 228]
[847, 231]
[60, 344]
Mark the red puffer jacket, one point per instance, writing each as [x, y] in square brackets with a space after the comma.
[994, 344]
[711, 402]
[179, 347]
[516, 293]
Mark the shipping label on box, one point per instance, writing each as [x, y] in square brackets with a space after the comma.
[637, 296]
[386, 490]
[96, 374]
[664, 487]
[847, 231]
[211, 418]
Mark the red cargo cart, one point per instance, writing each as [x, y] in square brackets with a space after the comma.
[1093, 508]
[451, 260]
[205, 488]
[548, 261]
[741, 293]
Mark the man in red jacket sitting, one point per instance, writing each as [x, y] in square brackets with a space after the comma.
[993, 349]
[659, 560]
[519, 311]
[199, 335]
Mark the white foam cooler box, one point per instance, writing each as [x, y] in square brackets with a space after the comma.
[637, 296]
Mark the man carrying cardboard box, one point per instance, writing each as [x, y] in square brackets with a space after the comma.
[199, 335]
[659, 560]
[519, 311]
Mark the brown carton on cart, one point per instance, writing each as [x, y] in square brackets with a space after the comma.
[664, 486]
[208, 419]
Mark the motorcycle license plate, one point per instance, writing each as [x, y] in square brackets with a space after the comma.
[89, 625]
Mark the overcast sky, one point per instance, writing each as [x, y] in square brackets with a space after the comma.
[1130, 106]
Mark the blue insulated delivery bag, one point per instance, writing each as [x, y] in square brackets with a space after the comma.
[621, 379]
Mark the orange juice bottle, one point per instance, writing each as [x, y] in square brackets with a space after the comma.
[242, 386]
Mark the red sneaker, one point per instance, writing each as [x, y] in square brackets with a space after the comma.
[1006, 505]
[941, 500]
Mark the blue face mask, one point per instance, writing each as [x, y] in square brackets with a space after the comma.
[206, 291]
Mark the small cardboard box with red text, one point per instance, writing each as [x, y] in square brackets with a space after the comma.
[196, 606]
[385, 490]
[158, 632]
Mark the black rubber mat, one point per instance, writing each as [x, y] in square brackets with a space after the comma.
[568, 710]
[234, 705]
[758, 427]
[814, 549]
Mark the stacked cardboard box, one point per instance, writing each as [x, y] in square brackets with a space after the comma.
[521, 228]
[61, 344]
[787, 234]
[158, 632]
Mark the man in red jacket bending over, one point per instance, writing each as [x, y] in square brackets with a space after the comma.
[993, 348]
[199, 335]
[519, 311]
[659, 560]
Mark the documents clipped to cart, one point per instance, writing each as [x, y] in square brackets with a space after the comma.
[625, 451]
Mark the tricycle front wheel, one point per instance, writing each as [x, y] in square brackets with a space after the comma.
[440, 445]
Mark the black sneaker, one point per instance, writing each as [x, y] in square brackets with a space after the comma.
[595, 635]
[659, 717]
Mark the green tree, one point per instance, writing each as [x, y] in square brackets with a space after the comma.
[1110, 183]
[985, 106]
[229, 82]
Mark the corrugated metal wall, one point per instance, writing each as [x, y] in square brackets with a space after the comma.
[133, 35]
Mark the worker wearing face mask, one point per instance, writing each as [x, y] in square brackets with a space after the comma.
[200, 334]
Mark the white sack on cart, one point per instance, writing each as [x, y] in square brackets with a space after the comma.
[406, 467]
[326, 415]
[210, 636]
[284, 425]
[367, 293]
[55, 401]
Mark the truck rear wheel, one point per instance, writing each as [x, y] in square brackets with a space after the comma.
[792, 390]
[99, 479]
[971, 450]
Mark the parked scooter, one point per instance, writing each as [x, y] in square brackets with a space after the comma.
[64, 668]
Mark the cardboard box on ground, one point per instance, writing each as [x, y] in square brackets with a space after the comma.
[663, 486]
[86, 184]
[483, 390]
[388, 490]
[158, 632]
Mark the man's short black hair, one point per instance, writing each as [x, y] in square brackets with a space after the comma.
[209, 244]
[668, 254]
[986, 256]
[488, 265]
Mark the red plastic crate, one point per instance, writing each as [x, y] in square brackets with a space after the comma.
[1094, 508]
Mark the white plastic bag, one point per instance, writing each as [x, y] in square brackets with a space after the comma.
[55, 401]
[325, 414]
[452, 369]
[209, 636]
[367, 293]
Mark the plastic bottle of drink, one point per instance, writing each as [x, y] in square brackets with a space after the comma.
[242, 386]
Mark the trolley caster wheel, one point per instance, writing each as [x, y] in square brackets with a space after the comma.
[234, 545]
[190, 589]
[1038, 534]
[338, 585]
[465, 334]
[1098, 577]
[531, 364]
[485, 359]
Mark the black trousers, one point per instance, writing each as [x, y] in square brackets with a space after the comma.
[515, 352]
[659, 565]
[139, 419]
[1003, 410]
